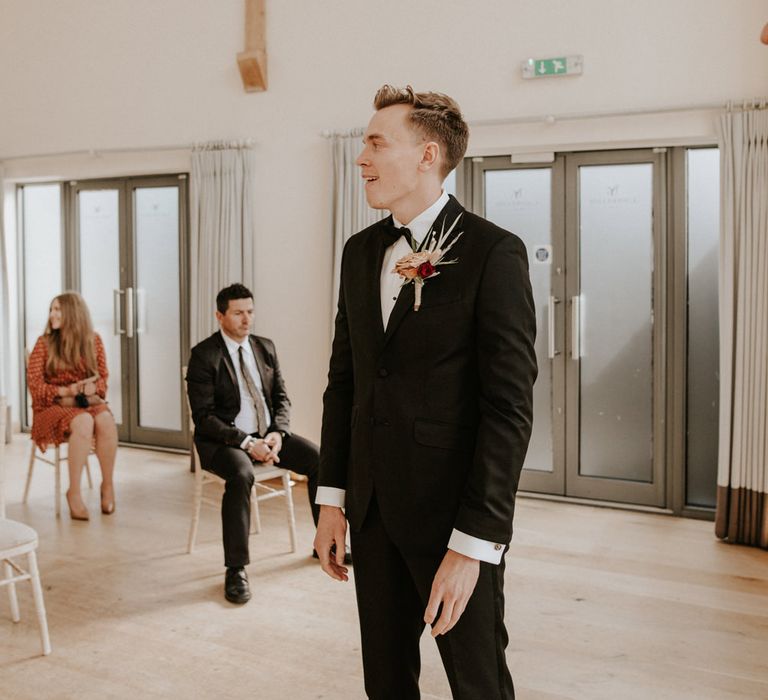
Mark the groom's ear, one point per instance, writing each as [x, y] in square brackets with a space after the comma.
[430, 156]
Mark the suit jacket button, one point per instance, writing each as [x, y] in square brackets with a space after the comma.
[497, 547]
[383, 372]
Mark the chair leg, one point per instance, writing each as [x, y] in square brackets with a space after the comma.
[197, 500]
[255, 512]
[30, 469]
[289, 502]
[37, 591]
[57, 486]
[8, 573]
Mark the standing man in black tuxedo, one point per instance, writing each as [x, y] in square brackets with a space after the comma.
[241, 413]
[427, 413]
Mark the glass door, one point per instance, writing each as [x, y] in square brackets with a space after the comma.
[591, 224]
[529, 201]
[615, 305]
[129, 268]
[96, 270]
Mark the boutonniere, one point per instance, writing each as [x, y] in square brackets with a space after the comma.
[420, 265]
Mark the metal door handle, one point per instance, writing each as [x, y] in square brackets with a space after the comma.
[552, 352]
[117, 323]
[129, 312]
[576, 327]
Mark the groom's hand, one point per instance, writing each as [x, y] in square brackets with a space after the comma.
[452, 586]
[332, 533]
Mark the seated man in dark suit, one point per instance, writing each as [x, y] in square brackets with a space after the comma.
[242, 415]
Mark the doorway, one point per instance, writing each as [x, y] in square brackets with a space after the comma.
[594, 227]
[122, 244]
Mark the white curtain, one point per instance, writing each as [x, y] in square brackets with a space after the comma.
[222, 235]
[742, 482]
[351, 212]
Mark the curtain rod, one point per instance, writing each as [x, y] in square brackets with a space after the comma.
[754, 103]
[96, 152]
[553, 118]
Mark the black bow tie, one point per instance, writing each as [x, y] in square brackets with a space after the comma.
[392, 234]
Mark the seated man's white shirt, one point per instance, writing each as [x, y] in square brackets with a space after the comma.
[390, 285]
[246, 419]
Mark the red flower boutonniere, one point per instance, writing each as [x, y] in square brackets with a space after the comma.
[422, 263]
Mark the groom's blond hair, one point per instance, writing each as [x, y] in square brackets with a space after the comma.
[435, 116]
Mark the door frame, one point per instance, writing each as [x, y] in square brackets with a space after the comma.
[159, 437]
[651, 493]
[565, 479]
[129, 431]
[72, 279]
[534, 480]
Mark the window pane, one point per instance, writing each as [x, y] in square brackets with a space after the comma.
[703, 357]
[616, 254]
[42, 256]
[41, 240]
[521, 201]
[100, 276]
[157, 305]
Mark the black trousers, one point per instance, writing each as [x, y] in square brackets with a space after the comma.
[393, 589]
[236, 468]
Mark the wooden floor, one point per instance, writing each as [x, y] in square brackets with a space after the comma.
[601, 604]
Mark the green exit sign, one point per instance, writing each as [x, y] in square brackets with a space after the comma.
[547, 67]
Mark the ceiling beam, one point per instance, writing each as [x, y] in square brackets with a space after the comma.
[253, 61]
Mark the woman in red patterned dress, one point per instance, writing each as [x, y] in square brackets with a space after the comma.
[67, 378]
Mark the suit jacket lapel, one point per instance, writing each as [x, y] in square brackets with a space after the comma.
[228, 363]
[405, 299]
[261, 361]
[404, 302]
[447, 216]
[372, 267]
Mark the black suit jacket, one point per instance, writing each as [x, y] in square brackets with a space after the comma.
[435, 413]
[214, 393]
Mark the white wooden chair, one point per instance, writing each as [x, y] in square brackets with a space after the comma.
[16, 540]
[261, 491]
[60, 454]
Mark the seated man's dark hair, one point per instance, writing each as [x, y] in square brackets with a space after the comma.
[234, 291]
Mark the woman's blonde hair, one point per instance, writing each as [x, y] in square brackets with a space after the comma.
[73, 342]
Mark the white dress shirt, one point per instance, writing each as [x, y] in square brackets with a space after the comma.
[246, 420]
[390, 285]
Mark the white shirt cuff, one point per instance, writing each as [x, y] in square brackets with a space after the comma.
[475, 548]
[245, 442]
[330, 496]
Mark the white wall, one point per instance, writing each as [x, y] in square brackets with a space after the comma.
[110, 74]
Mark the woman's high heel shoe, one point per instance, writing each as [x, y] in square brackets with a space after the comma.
[77, 513]
[107, 505]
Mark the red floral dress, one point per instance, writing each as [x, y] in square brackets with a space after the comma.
[50, 421]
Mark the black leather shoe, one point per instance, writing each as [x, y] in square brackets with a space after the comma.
[347, 555]
[236, 588]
